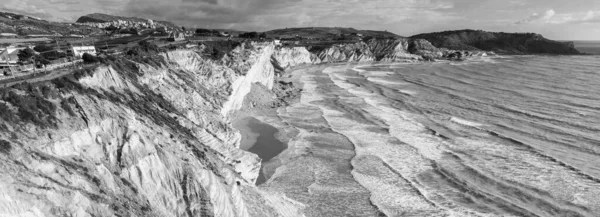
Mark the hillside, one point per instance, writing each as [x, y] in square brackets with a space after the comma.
[325, 32]
[25, 25]
[499, 42]
[102, 18]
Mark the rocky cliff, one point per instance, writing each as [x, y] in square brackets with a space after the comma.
[151, 136]
[132, 138]
[499, 42]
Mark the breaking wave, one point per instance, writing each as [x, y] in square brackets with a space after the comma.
[489, 137]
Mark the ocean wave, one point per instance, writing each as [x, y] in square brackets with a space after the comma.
[465, 122]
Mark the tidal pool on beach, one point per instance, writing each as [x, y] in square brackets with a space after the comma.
[259, 138]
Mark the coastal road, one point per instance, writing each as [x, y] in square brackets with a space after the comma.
[39, 77]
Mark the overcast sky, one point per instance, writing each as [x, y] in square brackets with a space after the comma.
[555, 19]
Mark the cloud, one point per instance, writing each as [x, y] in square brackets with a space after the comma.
[550, 17]
[24, 7]
[271, 14]
[538, 17]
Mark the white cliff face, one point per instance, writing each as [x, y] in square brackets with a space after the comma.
[289, 57]
[143, 141]
[261, 72]
[357, 52]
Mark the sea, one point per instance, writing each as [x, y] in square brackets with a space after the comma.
[491, 136]
[589, 47]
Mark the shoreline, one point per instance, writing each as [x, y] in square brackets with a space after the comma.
[269, 115]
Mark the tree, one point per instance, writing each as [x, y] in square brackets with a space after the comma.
[43, 61]
[111, 28]
[263, 35]
[42, 48]
[206, 32]
[249, 35]
[25, 55]
[88, 58]
[48, 52]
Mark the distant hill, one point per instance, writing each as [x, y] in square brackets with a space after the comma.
[13, 16]
[26, 26]
[325, 32]
[499, 42]
[102, 18]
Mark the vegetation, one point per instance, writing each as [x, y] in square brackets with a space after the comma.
[25, 25]
[42, 48]
[48, 52]
[5, 146]
[326, 33]
[217, 49]
[32, 107]
[25, 55]
[207, 32]
[500, 42]
[88, 58]
[249, 35]
[40, 60]
[65, 104]
[144, 48]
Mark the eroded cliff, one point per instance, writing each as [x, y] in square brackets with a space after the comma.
[133, 138]
[151, 136]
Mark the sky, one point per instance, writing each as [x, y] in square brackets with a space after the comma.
[555, 19]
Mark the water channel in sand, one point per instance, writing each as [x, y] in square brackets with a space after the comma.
[259, 138]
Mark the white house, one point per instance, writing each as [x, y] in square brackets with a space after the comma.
[8, 56]
[11, 35]
[78, 51]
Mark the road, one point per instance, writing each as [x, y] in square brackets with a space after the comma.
[39, 77]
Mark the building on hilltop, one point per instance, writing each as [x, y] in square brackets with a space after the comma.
[176, 36]
[151, 24]
[78, 51]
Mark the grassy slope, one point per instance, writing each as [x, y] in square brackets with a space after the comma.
[39, 27]
[324, 32]
[500, 42]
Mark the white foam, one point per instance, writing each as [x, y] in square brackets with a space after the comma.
[385, 81]
[465, 122]
[408, 92]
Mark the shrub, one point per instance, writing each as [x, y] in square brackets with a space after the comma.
[249, 35]
[5, 146]
[88, 58]
[25, 55]
[49, 92]
[33, 108]
[5, 113]
[217, 49]
[65, 104]
[148, 46]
